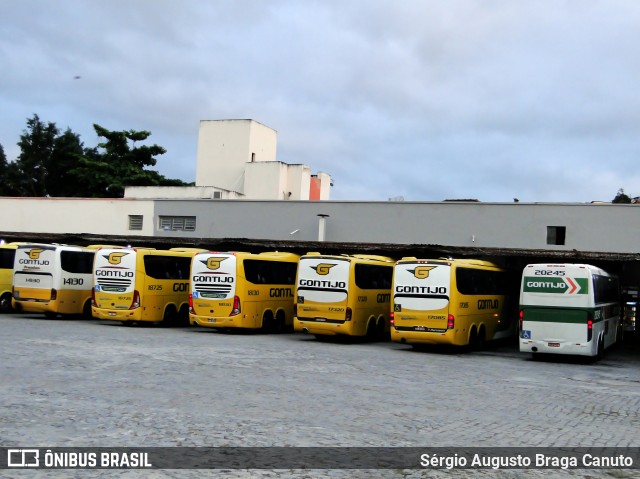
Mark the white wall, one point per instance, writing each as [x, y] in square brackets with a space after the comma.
[265, 180]
[325, 185]
[224, 147]
[298, 182]
[179, 192]
[592, 228]
[71, 215]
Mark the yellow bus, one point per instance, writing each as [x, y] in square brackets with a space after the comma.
[343, 295]
[7, 257]
[243, 290]
[461, 302]
[134, 285]
[53, 279]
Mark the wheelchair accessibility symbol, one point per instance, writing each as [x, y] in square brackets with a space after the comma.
[526, 334]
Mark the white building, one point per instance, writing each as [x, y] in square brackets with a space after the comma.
[237, 160]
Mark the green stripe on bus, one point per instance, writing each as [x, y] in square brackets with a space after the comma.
[558, 315]
[555, 285]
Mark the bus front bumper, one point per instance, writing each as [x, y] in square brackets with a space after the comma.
[324, 328]
[444, 336]
[33, 306]
[214, 322]
[117, 314]
[556, 347]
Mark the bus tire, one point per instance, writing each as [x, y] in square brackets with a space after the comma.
[473, 338]
[170, 316]
[371, 329]
[281, 322]
[380, 329]
[481, 339]
[600, 350]
[268, 322]
[86, 310]
[5, 303]
[183, 316]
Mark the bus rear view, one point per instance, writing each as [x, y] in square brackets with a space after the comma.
[421, 303]
[568, 309]
[343, 295]
[461, 302]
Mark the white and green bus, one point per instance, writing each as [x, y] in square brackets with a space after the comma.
[568, 309]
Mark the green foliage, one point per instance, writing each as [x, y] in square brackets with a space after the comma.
[621, 197]
[55, 164]
[118, 162]
[37, 144]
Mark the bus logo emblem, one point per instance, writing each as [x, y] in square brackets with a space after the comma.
[213, 263]
[34, 253]
[115, 258]
[421, 272]
[323, 268]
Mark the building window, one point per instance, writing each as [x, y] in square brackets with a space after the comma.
[135, 222]
[556, 234]
[177, 223]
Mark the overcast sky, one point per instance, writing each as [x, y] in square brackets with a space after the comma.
[424, 99]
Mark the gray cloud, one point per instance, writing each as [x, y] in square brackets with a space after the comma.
[426, 99]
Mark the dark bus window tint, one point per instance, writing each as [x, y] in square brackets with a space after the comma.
[6, 258]
[605, 289]
[167, 267]
[480, 281]
[258, 271]
[373, 276]
[79, 262]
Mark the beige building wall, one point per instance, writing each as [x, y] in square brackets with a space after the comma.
[78, 215]
[298, 182]
[325, 185]
[275, 180]
[265, 180]
[180, 193]
[224, 148]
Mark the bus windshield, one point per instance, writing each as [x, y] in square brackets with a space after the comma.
[422, 287]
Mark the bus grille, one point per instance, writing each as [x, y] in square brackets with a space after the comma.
[218, 288]
[117, 285]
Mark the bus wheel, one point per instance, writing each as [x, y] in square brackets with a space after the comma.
[170, 316]
[268, 322]
[473, 339]
[600, 350]
[380, 330]
[5, 303]
[371, 330]
[280, 322]
[481, 339]
[86, 311]
[183, 316]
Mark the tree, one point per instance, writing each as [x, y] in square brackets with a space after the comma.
[45, 162]
[4, 167]
[66, 154]
[9, 176]
[36, 149]
[118, 162]
[621, 197]
[55, 164]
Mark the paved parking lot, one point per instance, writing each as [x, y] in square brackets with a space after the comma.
[90, 383]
